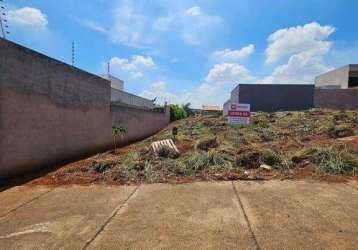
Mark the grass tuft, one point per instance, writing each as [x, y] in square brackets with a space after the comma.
[333, 160]
[207, 161]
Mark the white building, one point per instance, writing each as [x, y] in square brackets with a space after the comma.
[116, 83]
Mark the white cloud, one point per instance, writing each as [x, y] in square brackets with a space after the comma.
[27, 16]
[136, 25]
[159, 86]
[199, 27]
[195, 26]
[130, 24]
[194, 11]
[228, 73]
[302, 65]
[306, 47]
[144, 61]
[221, 78]
[300, 68]
[228, 55]
[133, 66]
[136, 75]
[293, 40]
[159, 91]
[93, 25]
[215, 89]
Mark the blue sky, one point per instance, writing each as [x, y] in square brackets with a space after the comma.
[192, 51]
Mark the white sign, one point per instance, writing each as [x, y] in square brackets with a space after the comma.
[239, 113]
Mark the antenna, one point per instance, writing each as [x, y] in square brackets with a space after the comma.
[3, 20]
[73, 53]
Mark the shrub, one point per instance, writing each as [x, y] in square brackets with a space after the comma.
[176, 112]
[167, 152]
[254, 158]
[132, 162]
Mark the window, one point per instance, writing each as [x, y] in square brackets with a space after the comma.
[353, 82]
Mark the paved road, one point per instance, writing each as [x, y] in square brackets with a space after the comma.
[214, 215]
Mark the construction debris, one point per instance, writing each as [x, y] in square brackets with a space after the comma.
[266, 167]
[157, 146]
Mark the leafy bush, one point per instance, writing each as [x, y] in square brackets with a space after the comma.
[177, 112]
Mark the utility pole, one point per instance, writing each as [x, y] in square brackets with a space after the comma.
[108, 69]
[3, 20]
[73, 53]
[2, 27]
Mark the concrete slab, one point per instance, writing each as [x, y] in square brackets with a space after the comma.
[13, 198]
[353, 184]
[191, 216]
[65, 218]
[301, 215]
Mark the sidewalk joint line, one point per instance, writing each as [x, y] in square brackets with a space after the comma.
[354, 187]
[24, 204]
[246, 217]
[114, 213]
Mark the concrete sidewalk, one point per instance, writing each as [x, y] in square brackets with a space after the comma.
[213, 215]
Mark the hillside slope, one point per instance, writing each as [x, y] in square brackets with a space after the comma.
[315, 144]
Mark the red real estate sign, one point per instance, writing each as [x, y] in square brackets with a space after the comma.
[239, 113]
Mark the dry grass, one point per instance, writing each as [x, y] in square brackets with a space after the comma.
[210, 147]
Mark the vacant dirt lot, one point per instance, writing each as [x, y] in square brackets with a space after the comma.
[315, 144]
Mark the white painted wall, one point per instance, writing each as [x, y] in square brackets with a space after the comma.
[335, 79]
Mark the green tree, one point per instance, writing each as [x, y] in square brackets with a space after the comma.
[117, 130]
[177, 112]
[187, 109]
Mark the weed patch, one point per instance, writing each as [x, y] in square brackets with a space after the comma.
[332, 160]
[208, 160]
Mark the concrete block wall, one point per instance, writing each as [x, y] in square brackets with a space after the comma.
[140, 123]
[51, 112]
[341, 99]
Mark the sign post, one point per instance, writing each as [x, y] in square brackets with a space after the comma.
[239, 113]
